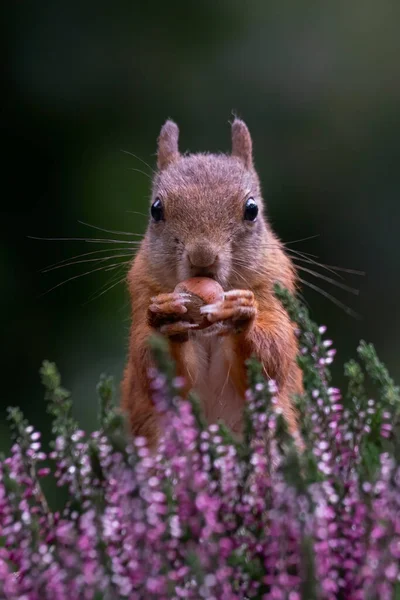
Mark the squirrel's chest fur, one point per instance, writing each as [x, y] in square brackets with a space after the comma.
[210, 370]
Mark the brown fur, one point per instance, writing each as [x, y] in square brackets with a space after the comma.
[204, 233]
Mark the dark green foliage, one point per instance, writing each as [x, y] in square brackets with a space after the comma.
[59, 401]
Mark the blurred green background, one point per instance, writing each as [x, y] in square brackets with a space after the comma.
[318, 84]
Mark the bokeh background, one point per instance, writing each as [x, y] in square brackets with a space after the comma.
[318, 84]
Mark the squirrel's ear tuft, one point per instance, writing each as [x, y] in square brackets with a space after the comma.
[242, 146]
[168, 150]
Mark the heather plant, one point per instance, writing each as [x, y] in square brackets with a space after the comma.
[208, 516]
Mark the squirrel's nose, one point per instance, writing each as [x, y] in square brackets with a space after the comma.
[202, 257]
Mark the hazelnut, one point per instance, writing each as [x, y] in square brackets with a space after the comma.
[202, 290]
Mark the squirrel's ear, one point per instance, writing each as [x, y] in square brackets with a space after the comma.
[168, 150]
[242, 146]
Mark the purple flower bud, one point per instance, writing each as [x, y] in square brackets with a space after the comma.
[43, 472]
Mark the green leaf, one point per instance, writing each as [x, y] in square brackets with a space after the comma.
[105, 392]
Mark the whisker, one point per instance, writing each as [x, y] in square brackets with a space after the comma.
[141, 160]
[296, 255]
[107, 286]
[342, 286]
[301, 257]
[310, 237]
[87, 254]
[237, 274]
[88, 260]
[89, 240]
[316, 288]
[334, 300]
[345, 270]
[140, 171]
[120, 280]
[331, 268]
[110, 230]
[303, 253]
[104, 268]
[308, 257]
[136, 212]
[282, 245]
[249, 267]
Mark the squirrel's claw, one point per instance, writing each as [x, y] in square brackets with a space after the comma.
[169, 304]
[167, 310]
[234, 313]
[239, 294]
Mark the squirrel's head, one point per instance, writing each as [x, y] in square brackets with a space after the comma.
[206, 212]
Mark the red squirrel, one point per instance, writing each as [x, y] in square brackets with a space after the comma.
[207, 219]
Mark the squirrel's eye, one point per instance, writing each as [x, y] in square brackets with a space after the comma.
[157, 211]
[250, 210]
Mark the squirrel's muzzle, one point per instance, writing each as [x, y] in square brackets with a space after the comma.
[202, 259]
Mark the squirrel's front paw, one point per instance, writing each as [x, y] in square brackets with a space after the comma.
[234, 314]
[166, 314]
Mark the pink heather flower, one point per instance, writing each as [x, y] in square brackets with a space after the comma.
[205, 516]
